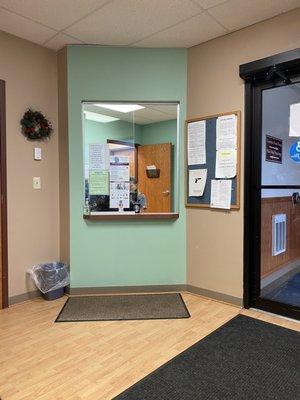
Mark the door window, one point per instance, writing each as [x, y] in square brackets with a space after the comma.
[280, 195]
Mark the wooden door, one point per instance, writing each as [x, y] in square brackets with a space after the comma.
[156, 190]
[3, 205]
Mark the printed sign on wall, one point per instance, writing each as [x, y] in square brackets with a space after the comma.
[273, 149]
[295, 152]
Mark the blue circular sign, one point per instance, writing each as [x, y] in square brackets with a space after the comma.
[295, 152]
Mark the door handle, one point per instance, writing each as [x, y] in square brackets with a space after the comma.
[296, 198]
[166, 192]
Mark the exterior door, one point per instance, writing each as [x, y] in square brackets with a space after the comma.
[3, 212]
[272, 184]
[280, 198]
[157, 190]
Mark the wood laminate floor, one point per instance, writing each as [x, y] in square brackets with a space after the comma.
[43, 360]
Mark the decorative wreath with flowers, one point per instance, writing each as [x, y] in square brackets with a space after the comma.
[35, 126]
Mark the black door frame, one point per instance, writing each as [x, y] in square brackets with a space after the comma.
[3, 196]
[277, 70]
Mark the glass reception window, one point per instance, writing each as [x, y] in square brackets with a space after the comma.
[130, 158]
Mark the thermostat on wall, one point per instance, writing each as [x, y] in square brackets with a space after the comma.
[37, 153]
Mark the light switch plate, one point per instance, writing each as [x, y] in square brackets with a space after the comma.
[36, 182]
[37, 153]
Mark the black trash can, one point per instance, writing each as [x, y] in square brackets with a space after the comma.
[51, 275]
[54, 294]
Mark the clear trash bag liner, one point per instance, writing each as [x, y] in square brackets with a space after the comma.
[51, 276]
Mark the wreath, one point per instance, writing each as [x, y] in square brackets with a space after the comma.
[35, 126]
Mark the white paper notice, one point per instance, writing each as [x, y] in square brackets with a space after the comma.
[294, 120]
[119, 169]
[150, 167]
[119, 160]
[197, 143]
[197, 182]
[119, 173]
[226, 163]
[119, 195]
[227, 132]
[221, 194]
[98, 156]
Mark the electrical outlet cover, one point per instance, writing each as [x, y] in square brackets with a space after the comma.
[36, 182]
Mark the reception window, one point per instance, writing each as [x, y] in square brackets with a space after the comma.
[130, 159]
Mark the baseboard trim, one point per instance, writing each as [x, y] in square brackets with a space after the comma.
[126, 289]
[136, 289]
[215, 295]
[19, 298]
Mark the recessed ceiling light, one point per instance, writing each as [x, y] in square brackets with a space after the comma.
[124, 108]
[99, 117]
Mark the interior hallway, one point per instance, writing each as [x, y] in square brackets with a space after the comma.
[43, 360]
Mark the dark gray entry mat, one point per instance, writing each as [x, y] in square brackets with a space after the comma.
[245, 359]
[123, 307]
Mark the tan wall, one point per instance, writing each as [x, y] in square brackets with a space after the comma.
[214, 238]
[33, 235]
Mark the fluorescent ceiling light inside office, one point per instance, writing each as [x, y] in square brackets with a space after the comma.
[124, 108]
[99, 117]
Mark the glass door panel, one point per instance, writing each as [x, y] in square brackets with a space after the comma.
[280, 195]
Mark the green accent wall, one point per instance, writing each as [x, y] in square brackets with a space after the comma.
[97, 132]
[123, 253]
[159, 132]
[156, 132]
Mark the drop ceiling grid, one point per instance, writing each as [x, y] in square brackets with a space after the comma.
[138, 23]
[126, 22]
[149, 114]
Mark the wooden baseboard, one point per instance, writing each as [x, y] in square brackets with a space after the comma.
[19, 298]
[158, 288]
[126, 289]
[84, 291]
[225, 298]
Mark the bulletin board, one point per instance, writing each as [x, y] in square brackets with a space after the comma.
[211, 149]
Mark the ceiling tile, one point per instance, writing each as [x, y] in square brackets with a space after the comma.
[112, 113]
[153, 115]
[24, 28]
[123, 22]
[236, 14]
[196, 30]
[60, 40]
[147, 115]
[155, 23]
[57, 14]
[171, 110]
[209, 3]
